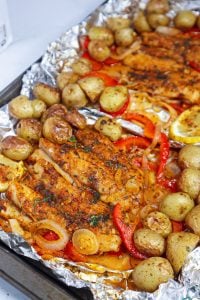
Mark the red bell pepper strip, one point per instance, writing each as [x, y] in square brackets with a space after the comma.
[50, 236]
[110, 61]
[84, 42]
[149, 127]
[127, 143]
[177, 226]
[164, 154]
[170, 184]
[71, 253]
[96, 66]
[193, 32]
[108, 81]
[194, 65]
[126, 233]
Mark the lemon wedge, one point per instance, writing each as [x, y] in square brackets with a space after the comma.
[186, 128]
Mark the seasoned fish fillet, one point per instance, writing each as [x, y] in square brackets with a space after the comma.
[81, 165]
[32, 203]
[164, 53]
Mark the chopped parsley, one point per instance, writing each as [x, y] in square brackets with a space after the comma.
[113, 164]
[95, 219]
[72, 139]
[87, 149]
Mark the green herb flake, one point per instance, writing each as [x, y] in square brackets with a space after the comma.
[87, 149]
[95, 219]
[72, 139]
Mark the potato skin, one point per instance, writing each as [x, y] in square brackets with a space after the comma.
[16, 148]
[98, 50]
[46, 93]
[82, 66]
[150, 273]
[140, 23]
[192, 219]
[158, 222]
[92, 86]
[156, 20]
[117, 23]
[149, 242]
[56, 110]
[73, 96]
[109, 128]
[57, 130]
[189, 182]
[185, 19]
[100, 33]
[38, 108]
[179, 245]
[176, 205]
[157, 6]
[124, 37]
[30, 130]
[20, 108]
[113, 98]
[65, 78]
[189, 157]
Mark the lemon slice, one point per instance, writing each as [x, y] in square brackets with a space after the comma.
[186, 128]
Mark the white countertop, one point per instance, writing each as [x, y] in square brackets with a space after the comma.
[34, 24]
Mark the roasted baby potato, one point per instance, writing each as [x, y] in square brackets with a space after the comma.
[92, 86]
[65, 78]
[73, 96]
[57, 130]
[124, 37]
[117, 23]
[176, 205]
[16, 148]
[140, 23]
[156, 20]
[113, 98]
[100, 33]
[38, 108]
[30, 130]
[20, 108]
[85, 241]
[82, 66]
[149, 242]
[189, 182]
[150, 273]
[56, 110]
[76, 119]
[98, 50]
[46, 93]
[179, 245]
[109, 128]
[185, 19]
[189, 157]
[192, 220]
[158, 222]
[109, 242]
[157, 6]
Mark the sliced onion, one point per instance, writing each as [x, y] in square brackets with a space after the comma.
[147, 209]
[172, 112]
[47, 224]
[16, 227]
[133, 48]
[167, 30]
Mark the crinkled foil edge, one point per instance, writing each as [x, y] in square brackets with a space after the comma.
[59, 56]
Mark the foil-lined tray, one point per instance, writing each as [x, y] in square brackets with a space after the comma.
[59, 56]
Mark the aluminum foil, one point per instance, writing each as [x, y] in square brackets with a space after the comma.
[59, 56]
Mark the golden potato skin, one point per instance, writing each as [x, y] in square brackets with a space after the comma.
[189, 182]
[92, 86]
[38, 108]
[46, 93]
[57, 130]
[124, 37]
[100, 33]
[192, 219]
[140, 23]
[109, 128]
[150, 273]
[149, 242]
[20, 108]
[30, 130]
[185, 19]
[157, 6]
[113, 98]
[82, 66]
[158, 222]
[98, 50]
[56, 110]
[73, 96]
[65, 78]
[76, 119]
[16, 148]
[117, 23]
[176, 206]
[156, 20]
[189, 157]
[179, 245]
